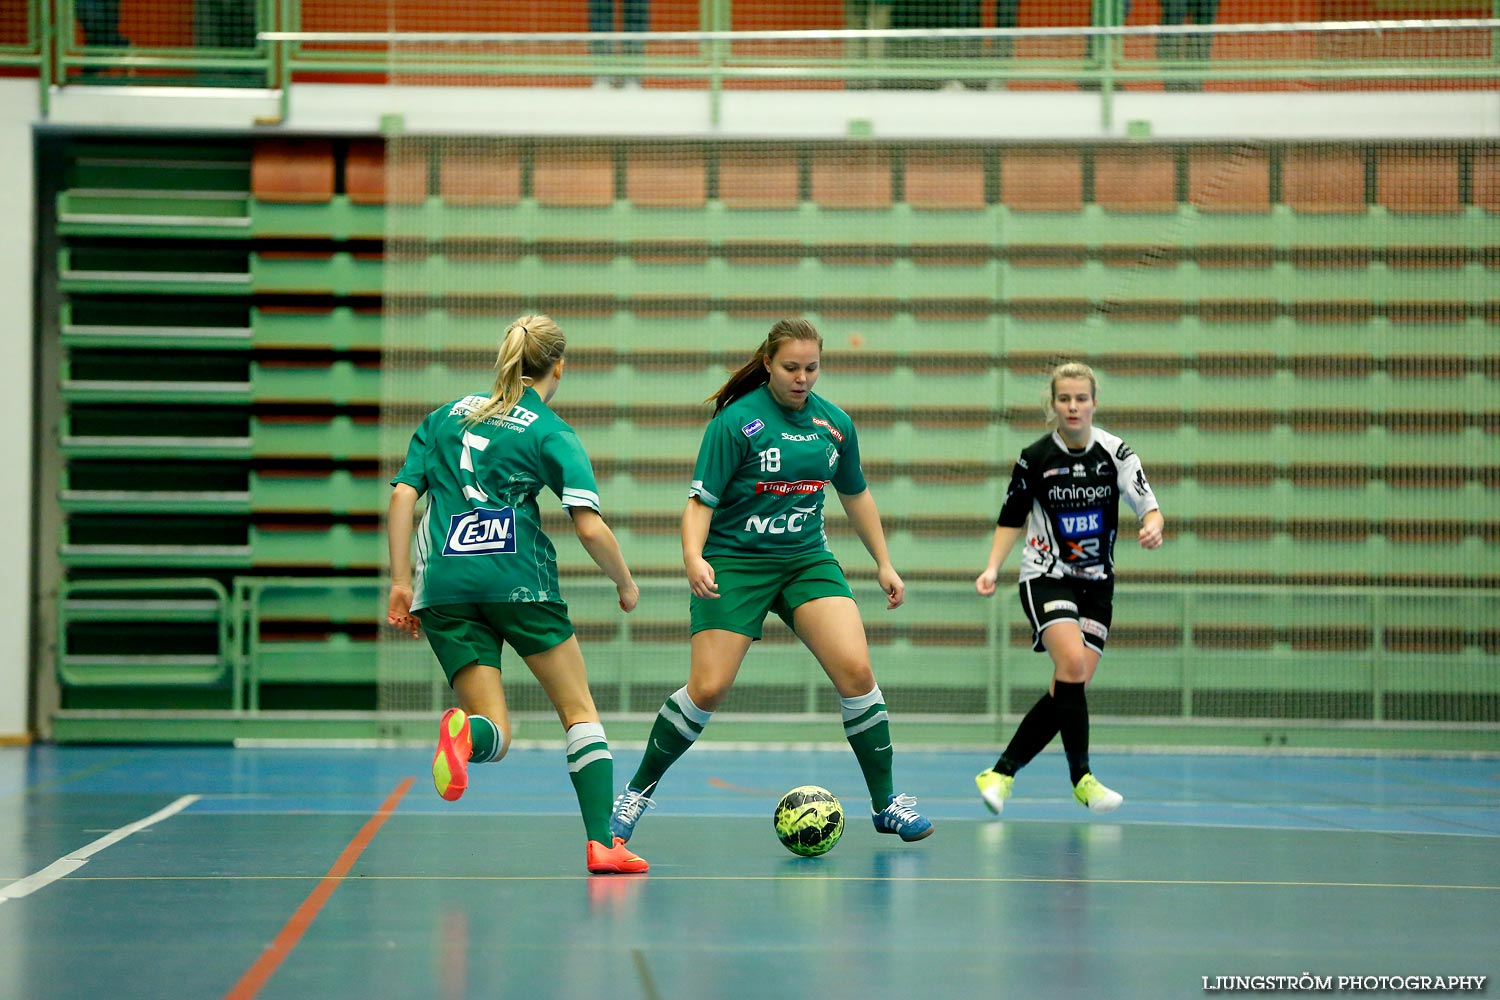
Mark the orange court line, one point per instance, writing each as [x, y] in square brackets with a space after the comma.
[270, 959]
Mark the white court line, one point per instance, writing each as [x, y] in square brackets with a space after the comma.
[72, 862]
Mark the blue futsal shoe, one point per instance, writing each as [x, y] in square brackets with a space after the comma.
[900, 817]
[627, 810]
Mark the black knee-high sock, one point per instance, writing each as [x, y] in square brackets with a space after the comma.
[1032, 736]
[1073, 723]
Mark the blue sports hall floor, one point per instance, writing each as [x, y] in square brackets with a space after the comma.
[191, 872]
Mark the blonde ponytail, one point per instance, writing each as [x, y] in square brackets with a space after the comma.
[532, 345]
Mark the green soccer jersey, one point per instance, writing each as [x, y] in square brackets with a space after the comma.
[481, 538]
[762, 468]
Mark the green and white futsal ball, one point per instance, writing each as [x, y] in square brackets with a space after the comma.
[809, 820]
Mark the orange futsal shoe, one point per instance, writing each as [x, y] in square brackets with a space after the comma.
[450, 765]
[616, 860]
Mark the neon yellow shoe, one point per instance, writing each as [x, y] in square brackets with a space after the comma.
[1089, 792]
[450, 765]
[994, 788]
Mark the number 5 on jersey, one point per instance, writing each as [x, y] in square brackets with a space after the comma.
[466, 462]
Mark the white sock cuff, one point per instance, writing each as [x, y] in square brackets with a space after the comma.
[586, 744]
[581, 733]
[689, 709]
[856, 705]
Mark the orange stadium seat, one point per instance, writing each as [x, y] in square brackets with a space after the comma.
[1418, 181]
[577, 177]
[759, 177]
[1229, 179]
[292, 170]
[473, 176]
[1135, 180]
[1042, 180]
[851, 178]
[370, 179]
[945, 179]
[1327, 179]
[670, 177]
[1484, 185]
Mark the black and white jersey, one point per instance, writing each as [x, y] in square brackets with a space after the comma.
[1069, 503]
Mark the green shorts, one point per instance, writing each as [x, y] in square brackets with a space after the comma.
[461, 634]
[750, 587]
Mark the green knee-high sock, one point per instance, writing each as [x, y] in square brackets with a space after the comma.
[868, 730]
[486, 736]
[592, 771]
[677, 727]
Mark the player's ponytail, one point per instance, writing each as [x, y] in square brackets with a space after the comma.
[1069, 369]
[753, 374]
[532, 345]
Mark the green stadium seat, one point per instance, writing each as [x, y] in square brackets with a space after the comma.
[317, 491]
[338, 328]
[316, 272]
[337, 436]
[295, 545]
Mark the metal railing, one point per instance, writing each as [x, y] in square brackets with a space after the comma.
[1369, 646]
[280, 51]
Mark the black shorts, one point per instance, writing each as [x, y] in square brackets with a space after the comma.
[1090, 603]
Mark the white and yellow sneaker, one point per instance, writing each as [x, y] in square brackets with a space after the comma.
[1089, 792]
[994, 788]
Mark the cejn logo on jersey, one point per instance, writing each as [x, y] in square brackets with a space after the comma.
[481, 532]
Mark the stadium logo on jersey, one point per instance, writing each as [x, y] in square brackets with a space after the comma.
[831, 429]
[481, 532]
[786, 489]
[782, 524]
[799, 437]
[1084, 493]
[753, 428]
[1081, 524]
[1056, 472]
